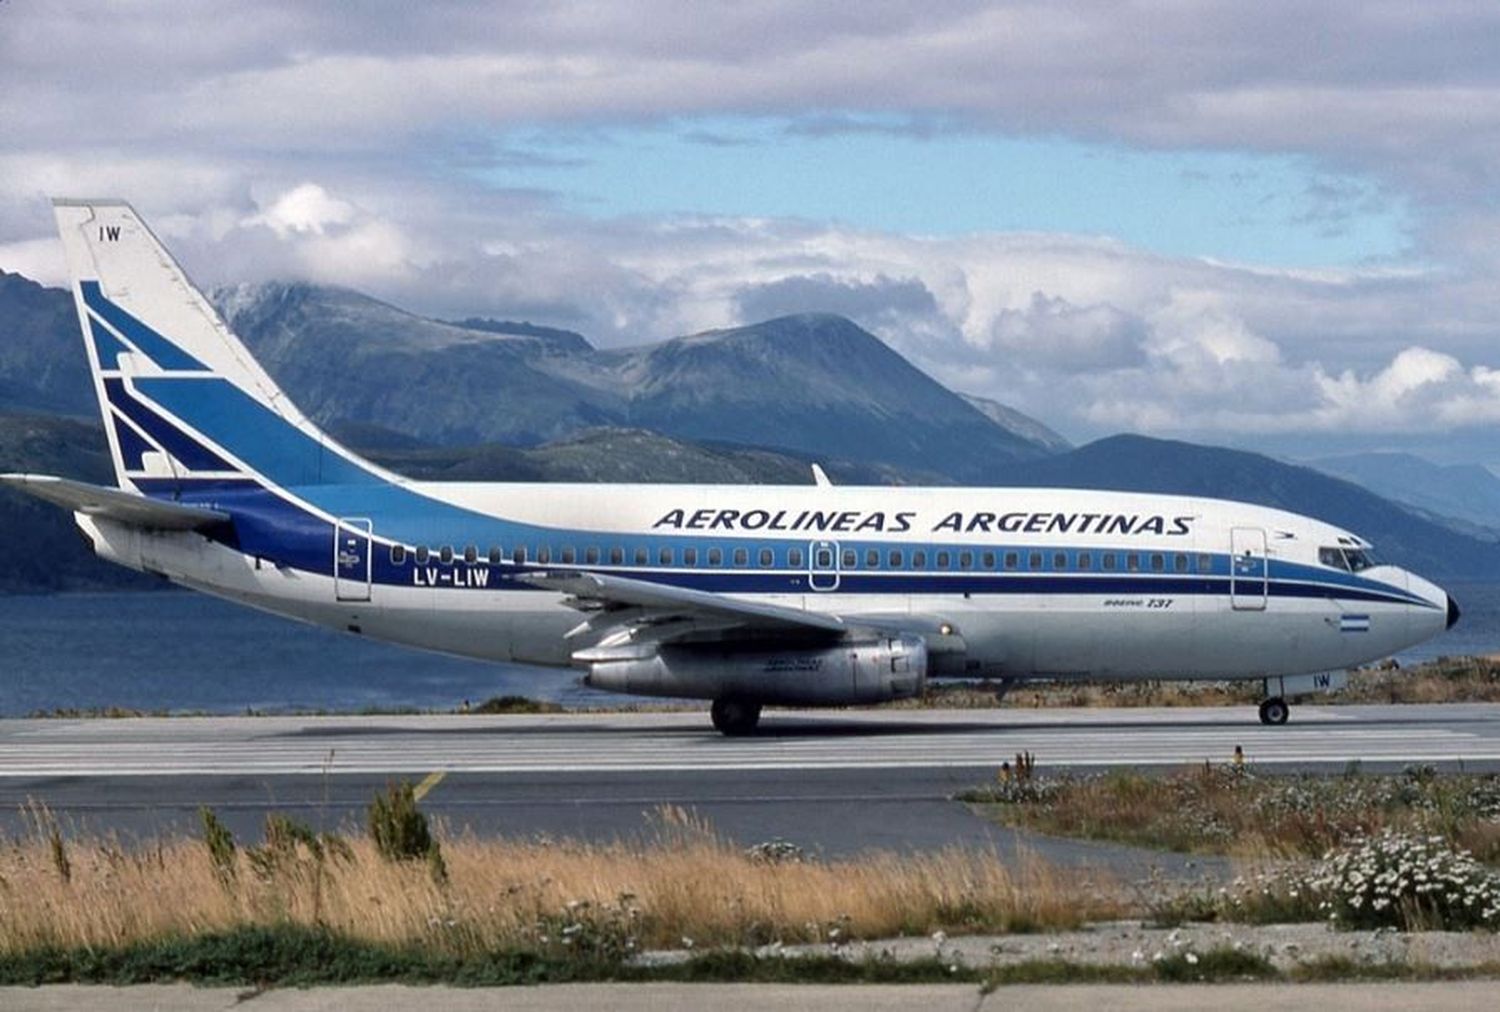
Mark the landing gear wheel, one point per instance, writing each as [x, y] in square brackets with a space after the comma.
[1274, 711]
[735, 717]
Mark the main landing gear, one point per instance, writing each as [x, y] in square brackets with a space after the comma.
[735, 717]
[1274, 711]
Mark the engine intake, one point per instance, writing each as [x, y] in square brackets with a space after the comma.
[864, 671]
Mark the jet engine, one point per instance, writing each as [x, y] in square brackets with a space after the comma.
[858, 671]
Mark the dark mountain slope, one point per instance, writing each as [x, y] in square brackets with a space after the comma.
[1140, 464]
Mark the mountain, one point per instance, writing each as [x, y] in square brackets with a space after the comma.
[1141, 464]
[1024, 426]
[615, 455]
[40, 549]
[42, 364]
[811, 384]
[815, 384]
[1464, 492]
[345, 357]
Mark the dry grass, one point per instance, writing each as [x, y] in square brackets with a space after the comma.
[1234, 811]
[1446, 680]
[686, 884]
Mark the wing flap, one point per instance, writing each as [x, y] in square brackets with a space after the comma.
[595, 591]
[114, 504]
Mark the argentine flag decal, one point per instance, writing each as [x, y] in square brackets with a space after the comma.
[1354, 623]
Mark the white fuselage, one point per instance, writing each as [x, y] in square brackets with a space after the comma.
[1035, 582]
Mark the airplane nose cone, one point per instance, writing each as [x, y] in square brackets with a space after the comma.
[1453, 611]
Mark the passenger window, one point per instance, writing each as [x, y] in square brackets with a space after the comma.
[1085, 560]
[1179, 563]
[544, 555]
[445, 555]
[1109, 560]
[716, 557]
[642, 557]
[1012, 560]
[471, 554]
[988, 560]
[423, 554]
[398, 554]
[1133, 562]
[767, 558]
[850, 559]
[943, 560]
[742, 557]
[1205, 563]
[567, 556]
[496, 555]
[824, 558]
[919, 560]
[965, 560]
[872, 558]
[518, 555]
[1158, 563]
[616, 556]
[893, 558]
[793, 557]
[591, 556]
[664, 557]
[1034, 561]
[690, 556]
[1059, 560]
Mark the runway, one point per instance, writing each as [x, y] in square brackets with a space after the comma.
[788, 740]
[837, 782]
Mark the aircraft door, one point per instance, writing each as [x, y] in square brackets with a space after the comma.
[352, 559]
[823, 565]
[1249, 572]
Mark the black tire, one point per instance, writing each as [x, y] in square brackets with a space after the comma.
[735, 717]
[1274, 712]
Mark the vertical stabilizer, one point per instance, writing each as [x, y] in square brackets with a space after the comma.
[182, 400]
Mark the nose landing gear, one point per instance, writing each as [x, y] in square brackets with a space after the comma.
[1274, 711]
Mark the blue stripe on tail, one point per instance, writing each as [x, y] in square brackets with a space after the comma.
[151, 344]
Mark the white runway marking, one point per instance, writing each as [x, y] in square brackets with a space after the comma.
[791, 740]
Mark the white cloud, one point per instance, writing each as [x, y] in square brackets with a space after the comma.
[307, 208]
[306, 142]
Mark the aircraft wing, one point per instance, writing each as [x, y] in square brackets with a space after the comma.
[114, 503]
[655, 604]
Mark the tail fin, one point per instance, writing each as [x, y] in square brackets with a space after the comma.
[183, 401]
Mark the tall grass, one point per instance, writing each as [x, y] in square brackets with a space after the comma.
[684, 884]
[1236, 811]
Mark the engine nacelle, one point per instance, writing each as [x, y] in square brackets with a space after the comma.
[863, 671]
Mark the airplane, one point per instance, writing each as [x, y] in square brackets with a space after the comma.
[745, 595]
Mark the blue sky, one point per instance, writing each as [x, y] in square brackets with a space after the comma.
[879, 173]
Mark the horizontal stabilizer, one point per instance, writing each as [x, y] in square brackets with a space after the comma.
[114, 504]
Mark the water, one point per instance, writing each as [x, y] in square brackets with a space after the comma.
[184, 652]
[180, 651]
[1477, 631]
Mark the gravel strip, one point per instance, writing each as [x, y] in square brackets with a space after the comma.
[1131, 943]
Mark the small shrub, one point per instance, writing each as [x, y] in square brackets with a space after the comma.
[513, 705]
[1218, 964]
[59, 850]
[776, 851]
[1407, 882]
[220, 843]
[398, 827]
[401, 832]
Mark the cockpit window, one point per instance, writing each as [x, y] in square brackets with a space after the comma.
[1333, 557]
[1351, 560]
